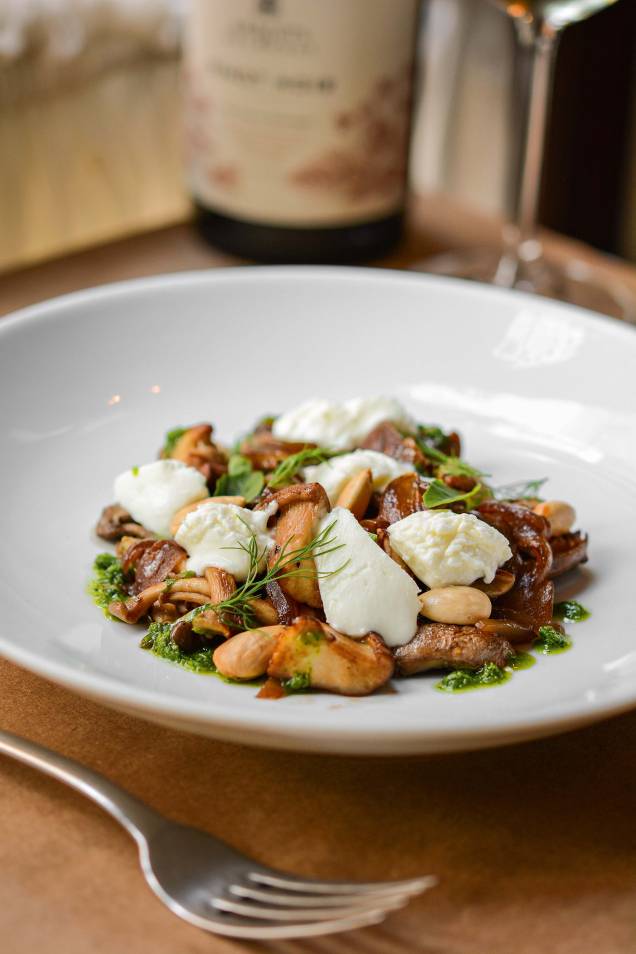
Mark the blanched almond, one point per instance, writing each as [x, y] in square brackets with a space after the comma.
[247, 655]
[463, 605]
[356, 494]
[559, 514]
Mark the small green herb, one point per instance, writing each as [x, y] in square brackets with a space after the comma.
[439, 494]
[135, 471]
[453, 466]
[571, 610]
[299, 682]
[238, 605]
[171, 439]
[241, 480]
[108, 582]
[462, 679]
[373, 536]
[521, 490]
[159, 641]
[550, 640]
[288, 468]
[431, 435]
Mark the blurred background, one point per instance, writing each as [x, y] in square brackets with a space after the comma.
[91, 138]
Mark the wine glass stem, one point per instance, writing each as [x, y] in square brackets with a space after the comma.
[522, 244]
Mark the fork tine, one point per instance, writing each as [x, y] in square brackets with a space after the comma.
[296, 899]
[260, 912]
[264, 931]
[410, 886]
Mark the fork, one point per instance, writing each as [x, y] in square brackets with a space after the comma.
[213, 886]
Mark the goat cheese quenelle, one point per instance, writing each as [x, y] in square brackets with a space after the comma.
[339, 545]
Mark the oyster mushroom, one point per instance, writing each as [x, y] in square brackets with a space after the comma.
[115, 522]
[448, 646]
[300, 510]
[265, 452]
[195, 448]
[322, 658]
[402, 497]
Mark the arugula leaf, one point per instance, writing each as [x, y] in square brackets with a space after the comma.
[521, 490]
[454, 466]
[288, 468]
[572, 610]
[550, 640]
[439, 494]
[241, 480]
[171, 439]
[431, 433]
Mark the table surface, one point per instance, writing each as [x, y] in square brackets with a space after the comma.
[535, 844]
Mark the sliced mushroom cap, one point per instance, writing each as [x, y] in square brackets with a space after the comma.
[266, 452]
[326, 659]
[301, 507]
[530, 601]
[133, 609]
[448, 646]
[402, 497]
[568, 551]
[153, 561]
[115, 523]
[285, 606]
[196, 448]
[503, 581]
[387, 439]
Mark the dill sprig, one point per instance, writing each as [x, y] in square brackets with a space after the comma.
[238, 605]
[288, 468]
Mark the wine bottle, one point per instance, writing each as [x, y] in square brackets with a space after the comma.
[297, 124]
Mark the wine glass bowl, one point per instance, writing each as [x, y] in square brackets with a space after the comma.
[557, 14]
[521, 264]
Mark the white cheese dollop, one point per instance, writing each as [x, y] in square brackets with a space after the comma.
[339, 426]
[444, 548]
[213, 533]
[371, 593]
[335, 473]
[153, 493]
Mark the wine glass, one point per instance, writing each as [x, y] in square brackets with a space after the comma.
[521, 264]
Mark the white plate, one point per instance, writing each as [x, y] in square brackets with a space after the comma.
[90, 382]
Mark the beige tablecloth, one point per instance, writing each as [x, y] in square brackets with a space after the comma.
[535, 844]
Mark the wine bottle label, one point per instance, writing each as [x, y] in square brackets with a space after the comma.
[298, 111]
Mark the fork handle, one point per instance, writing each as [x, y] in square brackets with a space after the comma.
[138, 819]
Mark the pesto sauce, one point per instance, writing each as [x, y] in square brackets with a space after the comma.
[571, 610]
[107, 583]
[159, 642]
[461, 680]
[522, 661]
[551, 641]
